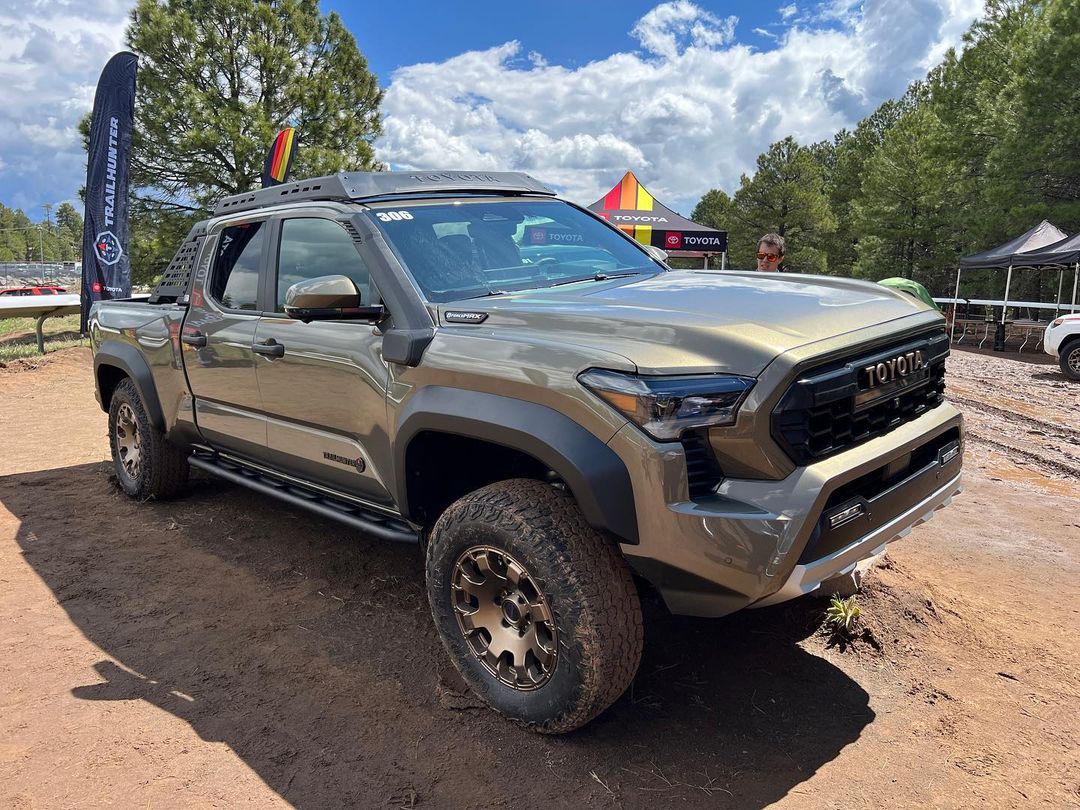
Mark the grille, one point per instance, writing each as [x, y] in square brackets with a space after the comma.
[833, 407]
[702, 471]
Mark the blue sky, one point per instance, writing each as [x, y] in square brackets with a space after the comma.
[566, 33]
[686, 94]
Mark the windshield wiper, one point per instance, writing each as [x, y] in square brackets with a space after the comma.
[597, 276]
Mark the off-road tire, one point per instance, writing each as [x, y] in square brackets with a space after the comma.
[163, 467]
[1069, 359]
[585, 580]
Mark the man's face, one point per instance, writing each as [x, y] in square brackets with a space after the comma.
[768, 257]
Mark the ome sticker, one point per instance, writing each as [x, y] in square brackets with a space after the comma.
[393, 216]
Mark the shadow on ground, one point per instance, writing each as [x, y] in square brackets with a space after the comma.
[309, 650]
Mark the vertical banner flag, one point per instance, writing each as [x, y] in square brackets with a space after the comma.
[280, 157]
[106, 264]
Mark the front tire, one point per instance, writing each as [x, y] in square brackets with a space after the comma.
[537, 609]
[1069, 359]
[146, 464]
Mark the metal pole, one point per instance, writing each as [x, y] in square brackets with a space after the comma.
[956, 301]
[723, 263]
[1076, 274]
[1005, 303]
[41, 258]
[38, 326]
[999, 337]
[1061, 278]
[706, 265]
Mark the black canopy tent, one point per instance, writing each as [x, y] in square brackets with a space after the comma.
[1012, 254]
[1061, 255]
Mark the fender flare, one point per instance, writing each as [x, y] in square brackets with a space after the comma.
[595, 474]
[127, 358]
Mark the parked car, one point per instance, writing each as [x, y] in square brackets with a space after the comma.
[49, 289]
[415, 355]
[1062, 340]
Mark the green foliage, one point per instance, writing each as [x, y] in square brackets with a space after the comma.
[217, 80]
[786, 195]
[57, 234]
[842, 614]
[981, 150]
[902, 213]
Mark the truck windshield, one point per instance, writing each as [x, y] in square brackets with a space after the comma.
[464, 249]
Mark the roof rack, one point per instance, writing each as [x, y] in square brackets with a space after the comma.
[348, 186]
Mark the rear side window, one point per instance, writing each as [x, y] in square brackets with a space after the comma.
[312, 247]
[235, 281]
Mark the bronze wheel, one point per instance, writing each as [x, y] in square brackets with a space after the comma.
[537, 609]
[127, 440]
[505, 617]
[146, 464]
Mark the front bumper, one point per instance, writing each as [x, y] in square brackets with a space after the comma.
[762, 541]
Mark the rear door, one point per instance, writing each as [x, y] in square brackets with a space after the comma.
[325, 394]
[219, 335]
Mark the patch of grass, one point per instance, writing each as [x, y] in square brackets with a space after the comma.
[842, 614]
[14, 351]
[14, 326]
[17, 338]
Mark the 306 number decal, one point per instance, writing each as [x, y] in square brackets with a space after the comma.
[393, 216]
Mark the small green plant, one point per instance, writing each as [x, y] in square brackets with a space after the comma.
[842, 614]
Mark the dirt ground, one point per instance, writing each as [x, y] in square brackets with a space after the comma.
[227, 651]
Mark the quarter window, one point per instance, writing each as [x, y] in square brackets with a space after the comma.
[235, 281]
[312, 247]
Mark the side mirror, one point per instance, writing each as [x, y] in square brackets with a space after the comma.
[328, 298]
[656, 253]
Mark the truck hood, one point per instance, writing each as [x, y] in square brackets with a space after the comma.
[699, 321]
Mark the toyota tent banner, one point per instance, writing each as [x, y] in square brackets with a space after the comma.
[106, 261]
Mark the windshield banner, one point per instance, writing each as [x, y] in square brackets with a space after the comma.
[105, 259]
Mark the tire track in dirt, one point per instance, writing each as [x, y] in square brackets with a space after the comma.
[1048, 428]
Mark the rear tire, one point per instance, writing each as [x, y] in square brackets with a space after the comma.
[518, 557]
[146, 464]
[1069, 359]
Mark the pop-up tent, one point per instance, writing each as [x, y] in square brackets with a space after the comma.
[911, 288]
[1063, 254]
[636, 212]
[1014, 253]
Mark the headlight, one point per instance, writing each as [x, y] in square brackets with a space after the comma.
[1058, 322]
[665, 407]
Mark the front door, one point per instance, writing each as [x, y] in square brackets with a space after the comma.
[218, 337]
[325, 395]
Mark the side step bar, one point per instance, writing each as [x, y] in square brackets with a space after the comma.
[365, 520]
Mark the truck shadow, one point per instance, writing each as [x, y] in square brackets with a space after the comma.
[309, 650]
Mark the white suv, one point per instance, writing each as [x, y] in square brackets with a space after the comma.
[1062, 340]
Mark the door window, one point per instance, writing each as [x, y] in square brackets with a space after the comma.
[312, 247]
[235, 280]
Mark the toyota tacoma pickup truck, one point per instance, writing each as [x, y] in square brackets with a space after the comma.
[464, 361]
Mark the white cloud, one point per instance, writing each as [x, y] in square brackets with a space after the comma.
[50, 58]
[671, 27]
[690, 112]
[787, 12]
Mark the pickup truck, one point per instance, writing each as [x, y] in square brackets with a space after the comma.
[1062, 340]
[464, 361]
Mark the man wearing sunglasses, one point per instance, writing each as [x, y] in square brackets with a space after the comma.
[770, 253]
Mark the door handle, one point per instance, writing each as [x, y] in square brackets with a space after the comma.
[194, 339]
[270, 348]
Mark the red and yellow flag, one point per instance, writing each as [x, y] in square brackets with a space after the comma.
[279, 158]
